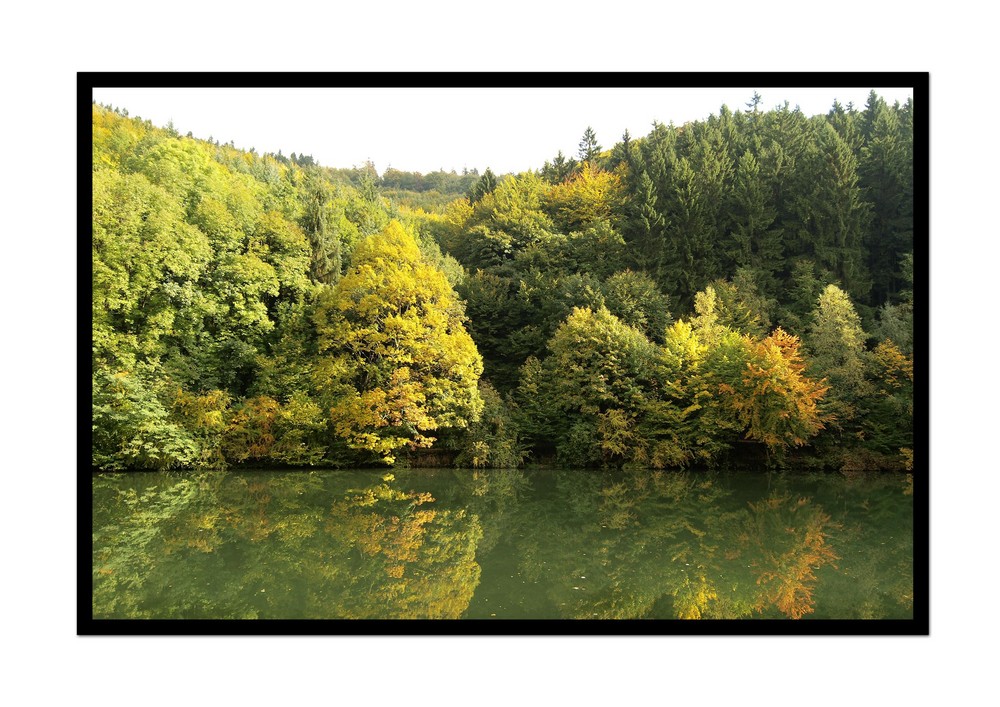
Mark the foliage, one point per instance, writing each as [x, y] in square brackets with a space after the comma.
[393, 327]
[263, 309]
[773, 399]
[132, 428]
[493, 441]
[588, 197]
[592, 386]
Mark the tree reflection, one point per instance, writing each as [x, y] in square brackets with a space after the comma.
[561, 544]
[784, 541]
[678, 545]
[268, 546]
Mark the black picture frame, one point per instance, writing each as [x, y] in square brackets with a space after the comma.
[919, 625]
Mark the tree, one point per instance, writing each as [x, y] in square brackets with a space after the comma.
[589, 149]
[886, 177]
[486, 184]
[836, 344]
[494, 440]
[132, 428]
[836, 340]
[740, 306]
[673, 419]
[559, 169]
[592, 387]
[690, 257]
[644, 224]
[399, 363]
[590, 196]
[888, 418]
[774, 399]
[325, 242]
[832, 213]
[896, 320]
[635, 298]
[753, 241]
[146, 261]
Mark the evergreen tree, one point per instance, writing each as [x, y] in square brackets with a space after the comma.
[486, 185]
[589, 149]
[559, 169]
[885, 172]
[832, 215]
[753, 241]
[325, 242]
[690, 256]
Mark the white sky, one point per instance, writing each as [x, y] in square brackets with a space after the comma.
[424, 129]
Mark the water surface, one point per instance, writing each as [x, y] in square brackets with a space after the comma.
[501, 544]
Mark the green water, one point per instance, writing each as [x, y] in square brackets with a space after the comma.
[501, 544]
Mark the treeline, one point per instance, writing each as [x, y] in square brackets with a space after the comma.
[733, 288]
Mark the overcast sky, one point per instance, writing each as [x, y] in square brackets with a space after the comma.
[424, 129]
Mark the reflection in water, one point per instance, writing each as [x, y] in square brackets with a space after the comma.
[504, 544]
[280, 546]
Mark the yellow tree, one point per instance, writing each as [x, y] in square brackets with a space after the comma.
[392, 336]
[591, 196]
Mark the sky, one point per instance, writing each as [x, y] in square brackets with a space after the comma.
[425, 129]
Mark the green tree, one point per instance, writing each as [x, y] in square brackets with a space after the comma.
[832, 213]
[132, 429]
[592, 387]
[635, 298]
[753, 242]
[886, 177]
[486, 184]
[559, 169]
[317, 223]
[493, 441]
[147, 263]
[589, 149]
[673, 421]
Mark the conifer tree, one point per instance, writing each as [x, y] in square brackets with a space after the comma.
[486, 185]
[885, 172]
[589, 149]
[325, 242]
[753, 240]
[832, 214]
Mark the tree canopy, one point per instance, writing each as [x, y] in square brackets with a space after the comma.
[738, 287]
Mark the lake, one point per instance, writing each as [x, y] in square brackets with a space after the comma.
[552, 544]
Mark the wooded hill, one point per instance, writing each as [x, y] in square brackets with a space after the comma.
[738, 288]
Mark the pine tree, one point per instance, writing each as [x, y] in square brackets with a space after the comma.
[885, 173]
[559, 169]
[486, 185]
[753, 241]
[690, 256]
[589, 149]
[325, 242]
[832, 214]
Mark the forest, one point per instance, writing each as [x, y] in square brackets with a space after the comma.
[736, 290]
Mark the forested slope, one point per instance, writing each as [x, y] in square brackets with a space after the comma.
[734, 288]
